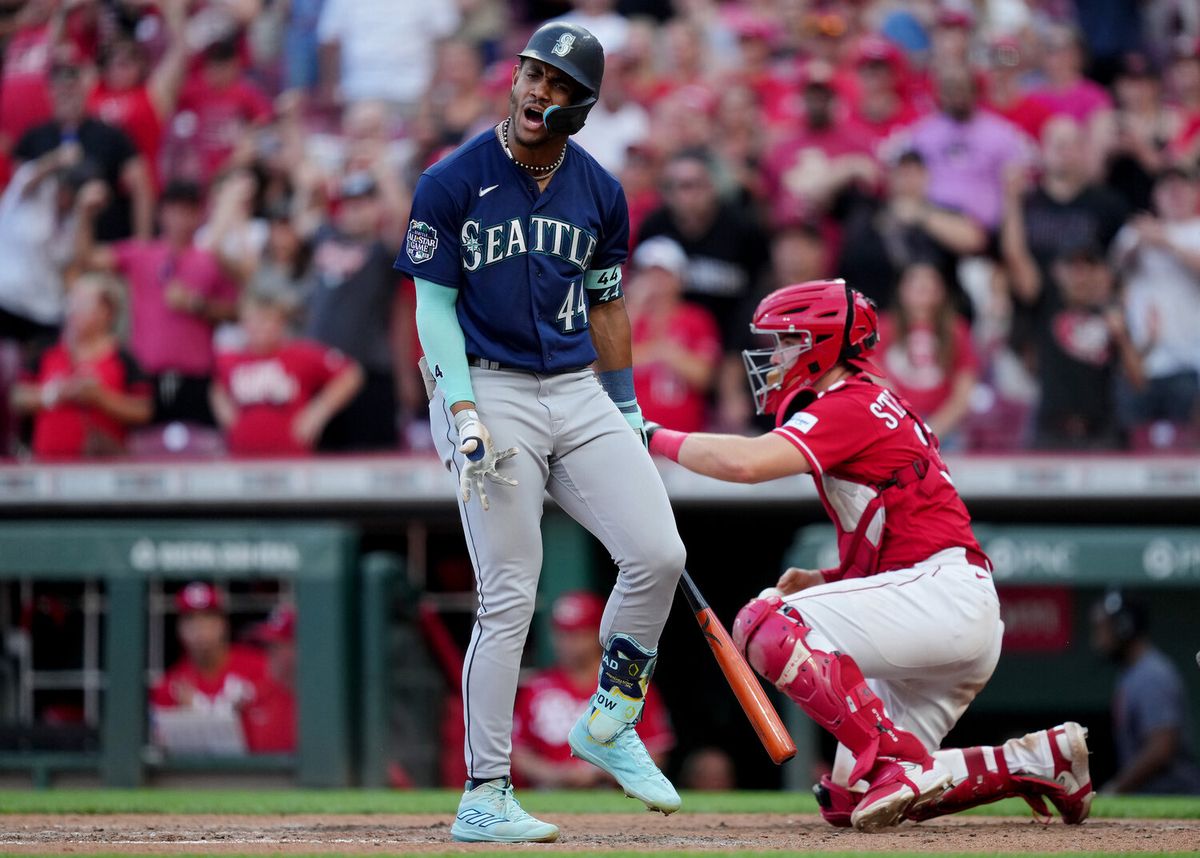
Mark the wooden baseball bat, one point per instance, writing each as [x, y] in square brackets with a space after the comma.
[740, 676]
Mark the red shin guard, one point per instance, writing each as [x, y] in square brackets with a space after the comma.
[829, 687]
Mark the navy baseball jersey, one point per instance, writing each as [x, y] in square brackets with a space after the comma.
[519, 257]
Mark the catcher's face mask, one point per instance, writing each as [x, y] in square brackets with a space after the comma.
[768, 368]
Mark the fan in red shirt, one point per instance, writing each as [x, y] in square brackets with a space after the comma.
[1004, 92]
[758, 70]
[881, 103]
[139, 101]
[217, 108]
[911, 606]
[549, 703]
[929, 357]
[275, 397]
[676, 345]
[86, 391]
[213, 675]
[31, 32]
[805, 173]
[1183, 85]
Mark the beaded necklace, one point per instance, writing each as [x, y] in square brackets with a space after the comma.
[546, 172]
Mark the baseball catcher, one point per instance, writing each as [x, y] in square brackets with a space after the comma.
[886, 650]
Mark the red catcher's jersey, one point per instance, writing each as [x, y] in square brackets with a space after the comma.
[857, 436]
[548, 706]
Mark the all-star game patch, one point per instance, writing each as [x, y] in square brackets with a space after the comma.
[421, 242]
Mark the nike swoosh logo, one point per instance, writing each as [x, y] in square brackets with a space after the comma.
[483, 192]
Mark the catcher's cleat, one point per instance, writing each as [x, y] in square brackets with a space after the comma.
[625, 758]
[835, 802]
[1049, 765]
[1066, 783]
[490, 813]
[898, 787]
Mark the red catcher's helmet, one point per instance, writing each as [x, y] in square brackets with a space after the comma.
[826, 322]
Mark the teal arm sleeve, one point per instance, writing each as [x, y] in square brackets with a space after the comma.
[442, 339]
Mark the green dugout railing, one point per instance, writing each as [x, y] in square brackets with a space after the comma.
[318, 558]
[354, 636]
[389, 648]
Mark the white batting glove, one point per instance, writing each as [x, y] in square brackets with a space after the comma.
[475, 442]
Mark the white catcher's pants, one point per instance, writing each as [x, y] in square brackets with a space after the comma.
[574, 444]
[926, 638]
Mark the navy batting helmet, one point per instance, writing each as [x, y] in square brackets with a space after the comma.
[576, 53]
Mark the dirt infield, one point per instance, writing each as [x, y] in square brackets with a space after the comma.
[405, 834]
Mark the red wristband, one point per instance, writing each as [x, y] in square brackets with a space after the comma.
[666, 442]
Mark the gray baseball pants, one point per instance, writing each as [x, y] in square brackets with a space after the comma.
[575, 445]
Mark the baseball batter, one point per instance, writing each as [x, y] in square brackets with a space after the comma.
[516, 245]
[886, 650]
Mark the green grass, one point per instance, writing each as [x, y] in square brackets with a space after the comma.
[541, 853]
[444, 801]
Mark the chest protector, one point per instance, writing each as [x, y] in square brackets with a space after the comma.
[859, 510]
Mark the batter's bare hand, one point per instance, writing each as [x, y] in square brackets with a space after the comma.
[475, 442]
[794, 580]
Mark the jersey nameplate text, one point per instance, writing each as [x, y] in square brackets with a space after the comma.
[487, 245]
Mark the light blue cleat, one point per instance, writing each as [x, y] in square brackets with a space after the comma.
[626, 759]
[604, 735]
[490, 813]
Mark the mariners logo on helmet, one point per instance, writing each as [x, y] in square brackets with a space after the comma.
[422, 242]
[563, 46]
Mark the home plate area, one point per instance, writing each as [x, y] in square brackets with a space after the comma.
[166, 833]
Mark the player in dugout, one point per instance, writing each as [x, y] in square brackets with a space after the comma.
[216, 678]
[886, 650]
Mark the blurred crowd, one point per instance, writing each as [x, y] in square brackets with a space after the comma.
[204, 198]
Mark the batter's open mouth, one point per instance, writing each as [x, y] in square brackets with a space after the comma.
[533, 115]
